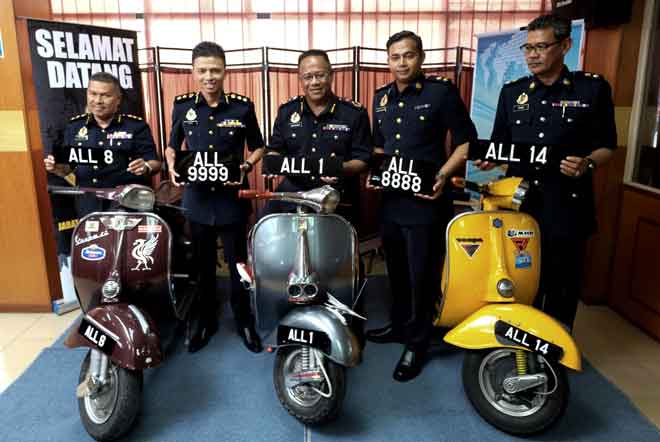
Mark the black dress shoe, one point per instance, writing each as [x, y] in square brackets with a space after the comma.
[384, 335]
[250, 338]
[199, 333]
[410, 365]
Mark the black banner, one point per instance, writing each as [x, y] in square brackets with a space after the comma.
[401, 174]
[64, 56]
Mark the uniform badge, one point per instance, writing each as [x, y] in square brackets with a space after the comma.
[566, 82]
[191, 114]
[295, 117]
[82, 133]
[522, 99]
[383, 101]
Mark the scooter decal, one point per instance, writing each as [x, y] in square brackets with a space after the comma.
[92, 252]
[150, 228]
[142, 250]
[520, 243]
[91, 226]
[514, 233]
[470, 245]
[523, 260]
[78, 240]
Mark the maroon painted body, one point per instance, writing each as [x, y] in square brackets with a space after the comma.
[135, 247]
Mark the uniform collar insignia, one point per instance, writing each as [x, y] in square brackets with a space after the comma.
[383, 101]
[532, 85]
[418, 85]
[566, 82]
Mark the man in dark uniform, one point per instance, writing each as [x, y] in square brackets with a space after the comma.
[320, 124]
[411, 118]
[102, 127]
[559, 107]
[211, 120]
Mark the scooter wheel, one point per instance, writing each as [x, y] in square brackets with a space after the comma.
[523, 413]
[111, 412]
[301, 401]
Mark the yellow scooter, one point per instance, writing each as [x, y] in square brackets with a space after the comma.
[514, 372]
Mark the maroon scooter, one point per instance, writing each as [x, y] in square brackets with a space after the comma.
[123, 266]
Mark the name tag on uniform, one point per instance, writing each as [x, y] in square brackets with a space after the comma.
[302, 166]
[207, 167]
[398, 173]
[87, 156]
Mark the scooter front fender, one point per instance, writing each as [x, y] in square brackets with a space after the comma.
[477, 331]
[137, 345]
[344, 346]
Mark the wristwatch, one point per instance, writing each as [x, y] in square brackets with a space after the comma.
[249, 165]
[148, 167]
[440, 174]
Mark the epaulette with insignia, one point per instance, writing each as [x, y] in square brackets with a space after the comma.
[353, 103]
[77, 117]
[439, 79]
[237, 97]
[383, 87]
[516, 81]
[588, 75]
[294, 98]
[185, 96]
[132, 117]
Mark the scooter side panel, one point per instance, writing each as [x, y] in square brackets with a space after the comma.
[333, 256]
[140, 254]
[478, 330]
[479, 254]
[134, 349]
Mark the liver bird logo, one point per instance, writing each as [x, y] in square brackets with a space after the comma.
[142, 250]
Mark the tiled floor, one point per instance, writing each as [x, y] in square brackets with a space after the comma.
[621, 352]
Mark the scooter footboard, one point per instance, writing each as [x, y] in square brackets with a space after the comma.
[121, 331]
[316, 327]
[517, 326]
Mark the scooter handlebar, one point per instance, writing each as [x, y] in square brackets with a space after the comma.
[254, 194]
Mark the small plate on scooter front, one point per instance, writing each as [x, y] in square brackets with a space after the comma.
[300, 336]
[510, 334]
[96, 336]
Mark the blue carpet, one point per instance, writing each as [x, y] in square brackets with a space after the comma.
[225, 393]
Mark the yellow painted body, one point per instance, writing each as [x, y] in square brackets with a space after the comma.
[476, 331]
[470, 282]
[484, 247]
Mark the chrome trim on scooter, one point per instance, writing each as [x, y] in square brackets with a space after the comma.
[516, 384]
[144, 325]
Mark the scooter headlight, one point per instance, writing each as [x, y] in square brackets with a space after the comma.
[137, 197]
[505, 287]
[519, 195]
[110, 289]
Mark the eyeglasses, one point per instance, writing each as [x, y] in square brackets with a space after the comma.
[540, 48]
[320, 76]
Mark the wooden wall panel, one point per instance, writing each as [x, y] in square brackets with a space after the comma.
[23, 279]
[636, 277]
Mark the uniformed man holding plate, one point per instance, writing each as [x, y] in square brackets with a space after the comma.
[412, 116]
[215, 126]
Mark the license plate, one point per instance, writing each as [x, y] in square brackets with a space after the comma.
[510, 334]
[96, 336]
[300, 336]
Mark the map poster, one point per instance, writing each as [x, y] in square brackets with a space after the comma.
[499, 60]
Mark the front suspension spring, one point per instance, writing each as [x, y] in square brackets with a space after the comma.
[521, 362]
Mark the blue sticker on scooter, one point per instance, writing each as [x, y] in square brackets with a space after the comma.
[92, 253]
[497, 223]
[523, 261]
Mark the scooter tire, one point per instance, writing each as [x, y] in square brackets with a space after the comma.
[503, 413]
[125, 395]
[323, 410]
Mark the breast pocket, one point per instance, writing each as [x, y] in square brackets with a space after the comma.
[337, 142]
[574, 117]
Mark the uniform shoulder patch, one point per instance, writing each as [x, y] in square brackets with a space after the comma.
[585, 74]
[383, 87]
[132, 117]
[77, 117]
[294, 98]
[350, 102]
[184, 97]
[439, 79]
[516, 81]
[238, 97]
